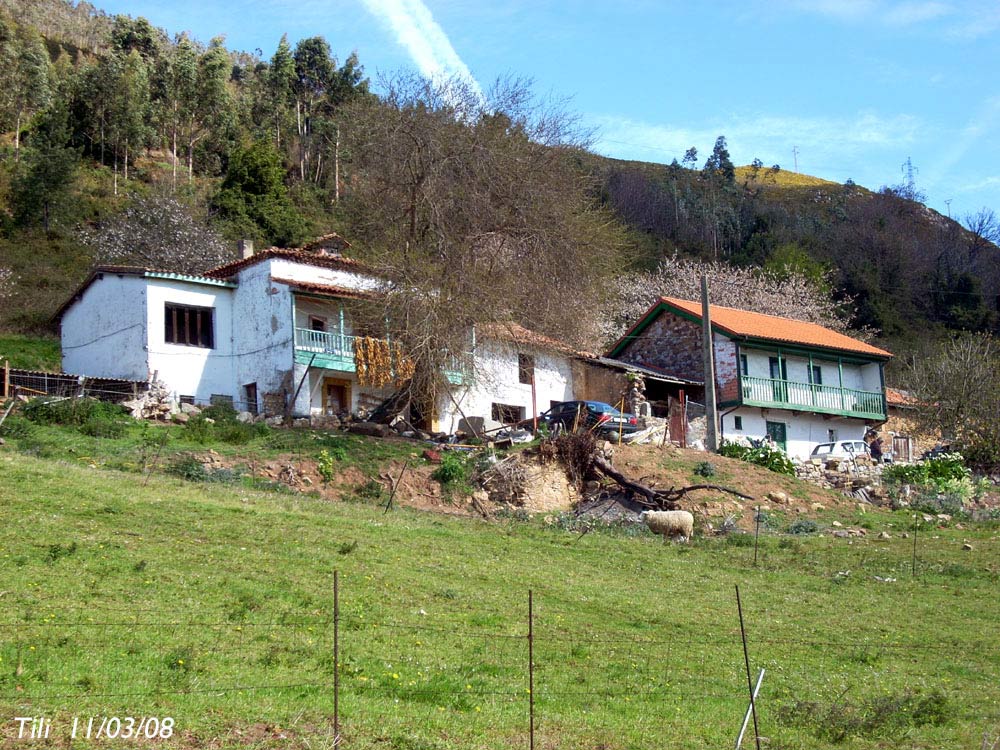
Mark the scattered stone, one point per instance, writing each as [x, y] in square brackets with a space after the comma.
[904, 535]
[777, 497]
[371, 429]
[885, 535]
[2, 441]
[967, 547]
[274, 421]
[837, 524]
[209, 420]
[301, 422]
[818, 506]
[245, 417]
[862, 508]
[190, 409]
[943, 517]
[841, 534]
[928, 519]
[181, 417]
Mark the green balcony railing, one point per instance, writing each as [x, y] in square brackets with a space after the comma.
[335, 351]
[826, 399]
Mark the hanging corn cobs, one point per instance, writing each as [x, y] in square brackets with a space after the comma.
[379, 363]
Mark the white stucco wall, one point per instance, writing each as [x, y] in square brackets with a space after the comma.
[804, 431]
[262, 332]
[192, 370]
[104, 332]
[495, 380]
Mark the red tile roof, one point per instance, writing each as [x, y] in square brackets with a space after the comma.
[902, 399]
[518, 334]
[325, 289]
[745, 324]
[300, 256]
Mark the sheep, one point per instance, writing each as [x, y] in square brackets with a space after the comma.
[669, 523]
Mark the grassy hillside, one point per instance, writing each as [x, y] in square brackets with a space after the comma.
[212, 605]
[783, 178]
[30, 352]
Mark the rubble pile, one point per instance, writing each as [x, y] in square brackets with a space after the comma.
[155, 403]
[858, 476]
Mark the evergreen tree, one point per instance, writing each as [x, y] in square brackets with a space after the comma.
[51, 164]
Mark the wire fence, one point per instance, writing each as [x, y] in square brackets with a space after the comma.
[523, 675]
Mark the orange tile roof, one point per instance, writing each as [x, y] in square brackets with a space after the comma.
[894, 397]
[745, 324]
[518, 334]
[774, 328]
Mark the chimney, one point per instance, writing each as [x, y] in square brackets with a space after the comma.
[246, 248]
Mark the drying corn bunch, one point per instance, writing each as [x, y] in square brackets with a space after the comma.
[379, 363]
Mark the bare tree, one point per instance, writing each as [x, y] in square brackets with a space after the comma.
[158, 232]
[958, 388]
[790, 294]
[478, 210]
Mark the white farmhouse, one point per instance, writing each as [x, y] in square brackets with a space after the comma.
[798, 383]
[272, 333]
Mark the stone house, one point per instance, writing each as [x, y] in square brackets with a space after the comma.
[798, 383]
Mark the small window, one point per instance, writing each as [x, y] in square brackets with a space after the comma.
[744, 365]
[831, 436]
[189, 326]
[815, 375]
[187, 400]
[317, 323]
[507, 413]
[218, 399]
[738, 423]
[525, 369]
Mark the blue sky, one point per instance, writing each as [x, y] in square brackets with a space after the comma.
[851, 88]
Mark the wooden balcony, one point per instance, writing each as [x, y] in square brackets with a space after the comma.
[822, 399]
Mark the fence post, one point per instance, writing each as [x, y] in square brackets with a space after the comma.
[756, 535]
[746, 659]
[336, 659]
[6, 379]
[531, 672]
[916, 527]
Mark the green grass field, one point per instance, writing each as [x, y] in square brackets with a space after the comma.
[212, 604]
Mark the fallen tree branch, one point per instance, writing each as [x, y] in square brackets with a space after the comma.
[652, 497]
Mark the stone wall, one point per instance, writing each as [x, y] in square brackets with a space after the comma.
[845, 474]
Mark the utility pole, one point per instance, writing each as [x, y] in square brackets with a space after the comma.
[708, 354]
[948, 204]
[795, 157]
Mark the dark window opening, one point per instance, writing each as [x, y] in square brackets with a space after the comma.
[744, 365]
[251, 393]
[738, 423]
[189, 326]
[525, 368]
[316, 323]
[507, 414]
[217, 399]
[815, 375]
[187, 400]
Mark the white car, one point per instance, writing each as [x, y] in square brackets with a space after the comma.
[842, 449]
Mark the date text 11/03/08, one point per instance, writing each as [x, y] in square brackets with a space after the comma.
[97, 727]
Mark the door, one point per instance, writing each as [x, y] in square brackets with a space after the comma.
[779, 374]
[250, 391]
[778, 433]
[336, 396]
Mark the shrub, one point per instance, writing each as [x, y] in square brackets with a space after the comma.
[74, 412]
[803, 526]
[452, 469]
[104, 428]
[765, 455]
[325, 463]
[705, 469]
[15, 427]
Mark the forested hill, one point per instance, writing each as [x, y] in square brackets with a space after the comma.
[125, 143]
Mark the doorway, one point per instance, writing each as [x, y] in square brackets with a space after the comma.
[778, 432]
[336, 396]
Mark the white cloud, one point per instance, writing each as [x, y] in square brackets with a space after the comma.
[422, 37]
[907, 14]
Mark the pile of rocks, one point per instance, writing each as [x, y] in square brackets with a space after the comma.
[154, 403]
[852, 476]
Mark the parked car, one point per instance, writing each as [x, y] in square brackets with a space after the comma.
[598, 415]
[842, 449]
